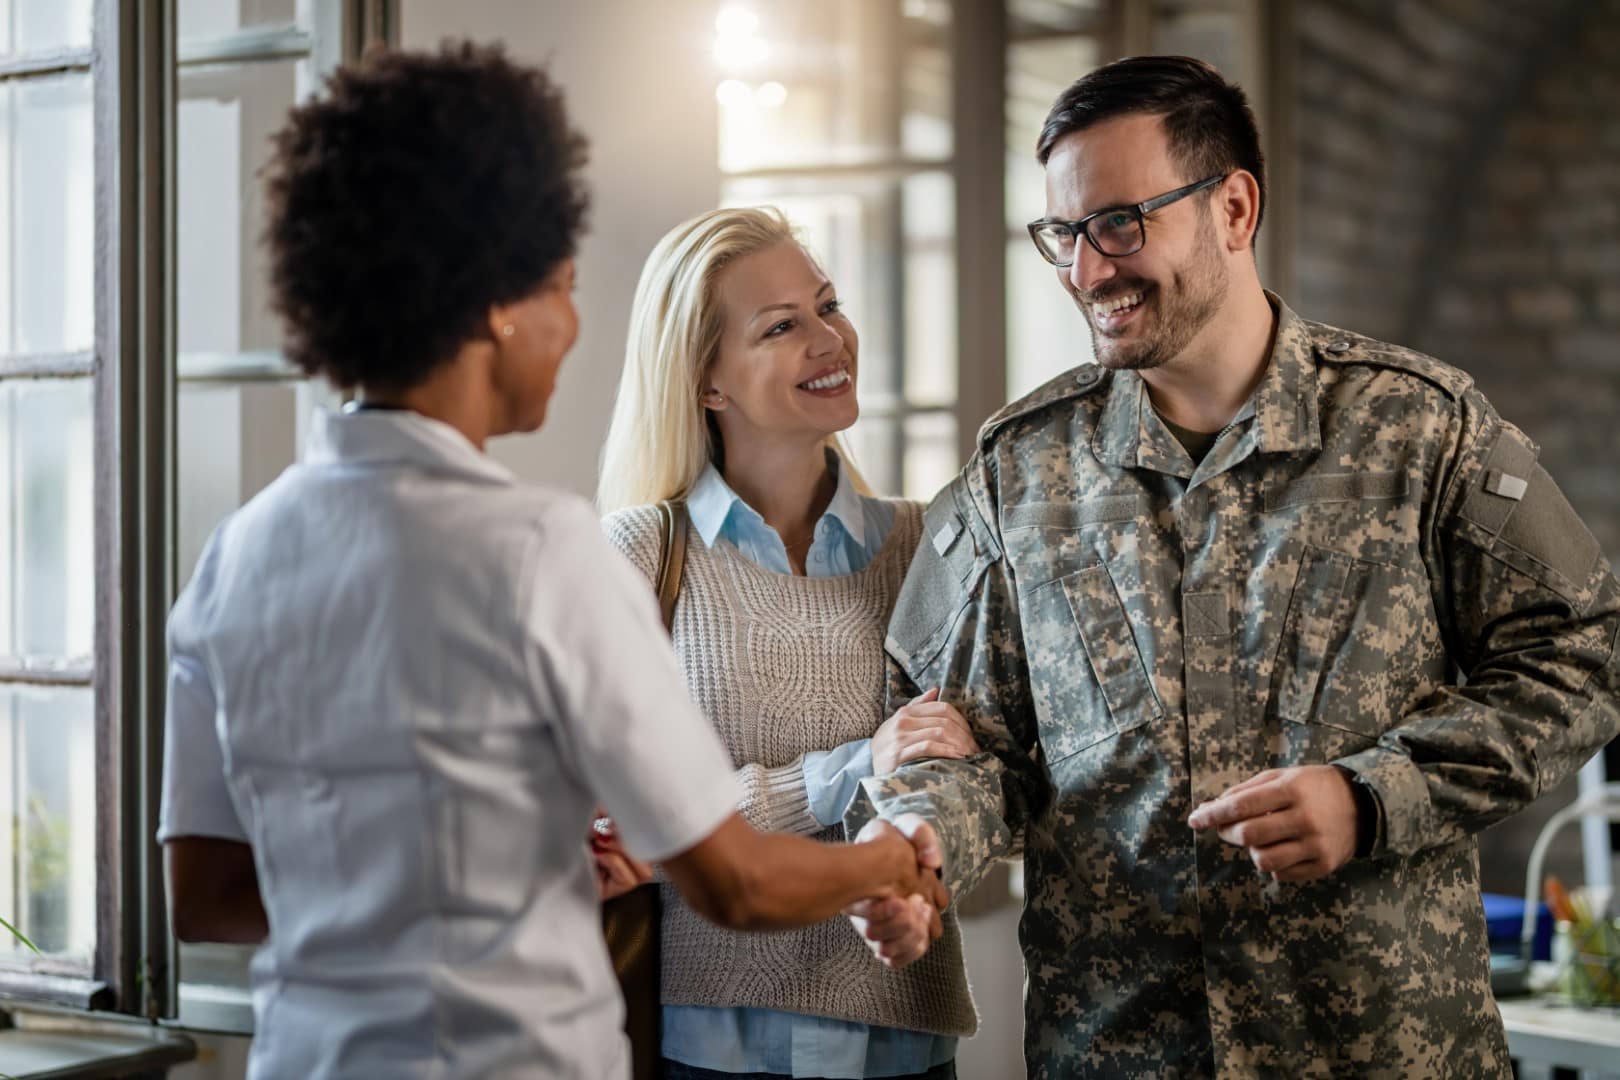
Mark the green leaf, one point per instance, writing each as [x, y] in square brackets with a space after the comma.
[20, 936]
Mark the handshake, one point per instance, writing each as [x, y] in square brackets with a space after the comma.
[886, 882]
[899, 929]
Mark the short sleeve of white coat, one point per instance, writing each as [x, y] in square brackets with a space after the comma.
[196, 799]
[603, 664]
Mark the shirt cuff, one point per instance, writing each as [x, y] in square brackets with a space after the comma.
[831, 778]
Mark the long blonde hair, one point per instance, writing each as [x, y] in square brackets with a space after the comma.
[660, 438]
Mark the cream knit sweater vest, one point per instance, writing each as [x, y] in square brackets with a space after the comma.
[784, 665]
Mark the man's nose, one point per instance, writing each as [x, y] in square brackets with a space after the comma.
[1090, 268]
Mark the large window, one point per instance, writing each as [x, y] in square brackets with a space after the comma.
[48, 663]
[142, 398]
[839, 112]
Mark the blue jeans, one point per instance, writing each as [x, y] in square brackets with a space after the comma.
[674, 1070]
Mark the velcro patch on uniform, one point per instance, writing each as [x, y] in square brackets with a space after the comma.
[1335, 487]
[946, 536]
[1512, 456]
[1076, 513]
[1509, 487]
[1206, 614]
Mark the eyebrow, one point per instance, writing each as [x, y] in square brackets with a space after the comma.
[788, 307]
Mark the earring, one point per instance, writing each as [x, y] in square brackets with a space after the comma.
[508, 330]
[715, 398]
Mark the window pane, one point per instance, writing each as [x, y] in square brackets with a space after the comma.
[47, 216]
[1046, 334]
[234, 439]
[227, 115]
[1053, 16]
[874, 442]
[48, 810]
[931, 457]
[210, 18]
[928, 210]
[818, 82]
[1037, 72]
[44, 25]
[47, 544]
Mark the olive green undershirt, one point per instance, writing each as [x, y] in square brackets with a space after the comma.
[1198, 443]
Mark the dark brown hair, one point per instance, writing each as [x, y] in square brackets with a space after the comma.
[1208, 120]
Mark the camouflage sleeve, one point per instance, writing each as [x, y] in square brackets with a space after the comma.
[1530, 612]
[956, 626]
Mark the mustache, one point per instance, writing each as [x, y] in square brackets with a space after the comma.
[1113, 291]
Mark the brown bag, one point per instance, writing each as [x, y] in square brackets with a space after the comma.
[630, 922]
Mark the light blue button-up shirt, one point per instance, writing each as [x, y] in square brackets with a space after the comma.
[847, 538]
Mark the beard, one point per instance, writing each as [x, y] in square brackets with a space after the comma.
[1196, 291]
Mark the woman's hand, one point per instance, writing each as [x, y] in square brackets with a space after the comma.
[923, 727]
[616, 872]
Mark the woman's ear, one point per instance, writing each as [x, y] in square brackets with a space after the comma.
[713, 399]
[500, 322]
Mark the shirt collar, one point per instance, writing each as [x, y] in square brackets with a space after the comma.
[1283, 405]
[398, 436]
[712, 503]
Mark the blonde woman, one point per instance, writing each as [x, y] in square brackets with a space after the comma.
[740, 371]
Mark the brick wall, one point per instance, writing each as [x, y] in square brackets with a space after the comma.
[1459, 179]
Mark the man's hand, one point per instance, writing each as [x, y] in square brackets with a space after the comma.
[1298, 824]
[899, 930]
[923, 727]
[922, 860]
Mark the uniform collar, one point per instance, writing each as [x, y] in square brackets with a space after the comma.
[398, 437]
[1283, 405]
[712, 503]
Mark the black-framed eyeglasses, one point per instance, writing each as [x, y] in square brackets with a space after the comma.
[1115, 231]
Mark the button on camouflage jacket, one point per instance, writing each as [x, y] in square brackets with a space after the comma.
[1368, 568]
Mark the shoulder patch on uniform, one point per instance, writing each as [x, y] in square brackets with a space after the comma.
[1336, 346]
[1076, 382]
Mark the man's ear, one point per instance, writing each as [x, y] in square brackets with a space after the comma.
[1237, 209]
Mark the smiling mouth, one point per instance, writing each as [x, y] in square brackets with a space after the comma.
[1115, 312]
[832, 380]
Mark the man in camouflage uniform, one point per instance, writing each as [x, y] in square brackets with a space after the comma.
[1217, 675]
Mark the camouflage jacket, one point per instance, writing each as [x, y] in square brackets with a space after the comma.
[1130, 635]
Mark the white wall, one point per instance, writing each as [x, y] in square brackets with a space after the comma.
[640, 84]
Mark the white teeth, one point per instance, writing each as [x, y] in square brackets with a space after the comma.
[1108, 307]
[827, 382]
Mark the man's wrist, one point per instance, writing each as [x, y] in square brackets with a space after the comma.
[1366, 804]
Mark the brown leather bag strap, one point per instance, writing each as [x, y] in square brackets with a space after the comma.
[672, 566]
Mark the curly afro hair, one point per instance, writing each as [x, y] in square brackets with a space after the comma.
[416, 192]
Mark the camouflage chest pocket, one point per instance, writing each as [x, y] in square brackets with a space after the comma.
[1354, 648]
[953, 555]
[1087, 677]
